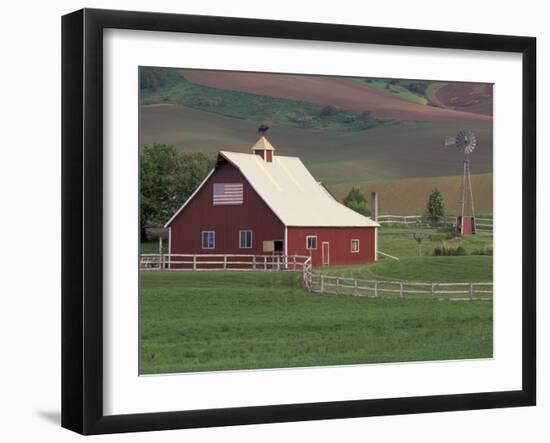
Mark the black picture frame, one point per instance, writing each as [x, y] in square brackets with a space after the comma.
[82, 217]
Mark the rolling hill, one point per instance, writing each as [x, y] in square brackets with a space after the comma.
[346, 131]
[340, 92]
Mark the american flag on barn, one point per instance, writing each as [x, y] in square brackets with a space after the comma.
[228, 193]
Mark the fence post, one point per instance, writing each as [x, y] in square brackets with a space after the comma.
[401, 289]
[355, 292]
[254, 262]
[433, 289]
[322, 283]
[294, 263]
[337, 286]
[265, 263]
[278, 263]
[471, 291]
[376, 288]
[194, 263]
[225, 262]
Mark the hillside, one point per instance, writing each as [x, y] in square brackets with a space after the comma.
[403, 149]
[374, 133]
[340, 92]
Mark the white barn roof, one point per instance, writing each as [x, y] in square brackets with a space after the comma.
[293, 194]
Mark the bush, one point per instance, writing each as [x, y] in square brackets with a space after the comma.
[488, 250]
[328, 111]
[443, 250]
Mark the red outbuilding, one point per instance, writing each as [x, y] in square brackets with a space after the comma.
[262, 203]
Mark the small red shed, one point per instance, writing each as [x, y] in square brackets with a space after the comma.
[261, 203]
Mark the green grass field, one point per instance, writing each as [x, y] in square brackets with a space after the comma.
[207, 321]
[465, 269]
[397, 241]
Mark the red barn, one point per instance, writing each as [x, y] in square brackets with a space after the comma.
[261, 203]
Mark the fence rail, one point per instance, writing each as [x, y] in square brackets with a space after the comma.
[228, 262]
[337, 285]
[313, 282]
[482, 224]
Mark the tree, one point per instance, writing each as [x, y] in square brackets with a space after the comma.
[167, 179]
[356, 200]
[435, 208]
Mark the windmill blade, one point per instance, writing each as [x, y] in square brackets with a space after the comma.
[450, 141]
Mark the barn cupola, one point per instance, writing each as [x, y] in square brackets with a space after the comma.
[264, 149]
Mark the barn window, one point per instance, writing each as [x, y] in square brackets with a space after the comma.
[208, 239]
[245, 239]
[311, 242]
[355, 245]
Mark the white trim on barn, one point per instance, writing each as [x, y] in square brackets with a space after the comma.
[286, 242]
[190, 198]
[169, 246]
[375, 244]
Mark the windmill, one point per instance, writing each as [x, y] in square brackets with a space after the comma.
[465, 142]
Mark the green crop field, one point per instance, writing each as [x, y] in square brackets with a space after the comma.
[204, 321]
[208, 321]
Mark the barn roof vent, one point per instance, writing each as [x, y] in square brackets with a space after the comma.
[264, 149]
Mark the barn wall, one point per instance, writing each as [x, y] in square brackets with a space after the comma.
[339, 240]
[226, 220]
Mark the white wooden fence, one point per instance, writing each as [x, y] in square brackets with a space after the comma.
[405, 220]
[313, 282]
[482, 224]
[338, 285]
[228, 262]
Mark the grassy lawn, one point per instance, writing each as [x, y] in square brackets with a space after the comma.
[397, 241]
[422, 269]
[265, 320]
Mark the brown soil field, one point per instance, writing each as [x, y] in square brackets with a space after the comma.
[340, 92]
[410, 196]
[470, 97]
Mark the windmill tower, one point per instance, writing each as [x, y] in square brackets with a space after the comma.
[465, 142]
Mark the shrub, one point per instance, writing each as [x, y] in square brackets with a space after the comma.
[488, 250]
[443, 250]
[328, 111]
